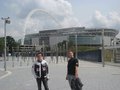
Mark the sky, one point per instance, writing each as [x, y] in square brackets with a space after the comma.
[31, 16]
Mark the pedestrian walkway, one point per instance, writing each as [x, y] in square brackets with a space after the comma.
[2, 72]
[92, 74]
[96, 77]
[113, 64]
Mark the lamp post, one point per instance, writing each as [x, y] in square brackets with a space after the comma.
[114, 50]
[103, 52]
[76, 44]
[43, 46]
[6, 21]
[67, 47]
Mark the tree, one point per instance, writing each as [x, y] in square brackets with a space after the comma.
[1, 45]
[11, 43]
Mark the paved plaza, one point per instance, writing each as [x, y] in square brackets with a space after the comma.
[92, 74]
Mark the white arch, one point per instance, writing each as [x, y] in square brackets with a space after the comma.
[31, 13]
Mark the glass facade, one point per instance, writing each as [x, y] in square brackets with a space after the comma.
[86, 40]
[84, 36]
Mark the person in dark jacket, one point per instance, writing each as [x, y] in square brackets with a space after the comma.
[40, 71]
[72, 72]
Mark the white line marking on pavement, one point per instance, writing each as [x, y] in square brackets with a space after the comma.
[7, 74]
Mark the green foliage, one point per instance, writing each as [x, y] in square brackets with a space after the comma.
[71, 46]
[87, 48]
[1, 44]
[10, 43]
[108, 55]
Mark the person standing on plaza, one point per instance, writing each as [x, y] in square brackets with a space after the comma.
[72, 72]
[40, 71]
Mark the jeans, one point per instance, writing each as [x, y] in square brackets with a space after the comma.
[45, 83]
[74, 83]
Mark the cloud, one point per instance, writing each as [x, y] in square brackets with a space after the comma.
[70, 22]
[1, 29]
[13, 29]
[61, 10]
[99, 20]
[57, 8]
[10, 32]
[23, 8]
[1, 32]
[112, 20]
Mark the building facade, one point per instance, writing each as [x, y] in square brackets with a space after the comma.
[84, 36]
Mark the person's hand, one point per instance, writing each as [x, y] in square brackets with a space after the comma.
[47, 77]
[66, 77]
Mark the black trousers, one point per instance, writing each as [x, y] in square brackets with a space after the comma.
[40, 81]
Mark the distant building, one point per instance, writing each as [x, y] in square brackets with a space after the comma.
[85, 36]
[117, 41]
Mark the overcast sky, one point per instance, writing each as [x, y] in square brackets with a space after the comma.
[30, 16]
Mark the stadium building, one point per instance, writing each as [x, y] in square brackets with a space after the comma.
[84, 36]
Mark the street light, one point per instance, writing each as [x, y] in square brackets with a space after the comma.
[43, 46]
[6, 21]
[114, 49]
[76, 44]
[103, 52]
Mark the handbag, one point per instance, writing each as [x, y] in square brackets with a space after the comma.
[76, 84]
